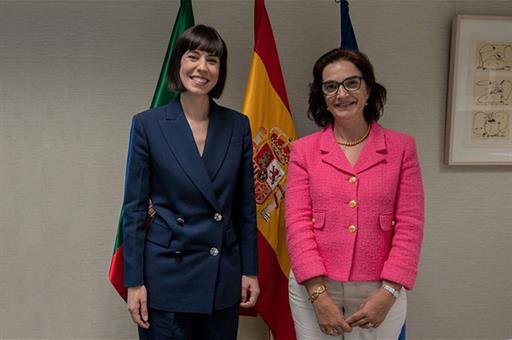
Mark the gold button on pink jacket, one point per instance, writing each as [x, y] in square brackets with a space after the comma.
[378, 237]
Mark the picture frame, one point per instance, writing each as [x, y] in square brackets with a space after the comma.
[479, 111]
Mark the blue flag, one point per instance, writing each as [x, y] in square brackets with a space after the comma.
[402, 333]
[348, 38]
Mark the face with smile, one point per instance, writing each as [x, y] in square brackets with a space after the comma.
[199, 71]
[345, 105]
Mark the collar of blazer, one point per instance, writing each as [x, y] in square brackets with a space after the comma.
[374, 150]
[178, 135]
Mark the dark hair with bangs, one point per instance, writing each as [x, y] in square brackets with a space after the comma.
[203, 38]
[317, 110]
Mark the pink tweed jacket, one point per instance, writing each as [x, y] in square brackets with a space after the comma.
[355, 223]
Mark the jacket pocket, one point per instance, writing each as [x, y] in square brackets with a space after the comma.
[386, 221]
[159, 234]
[318, 220]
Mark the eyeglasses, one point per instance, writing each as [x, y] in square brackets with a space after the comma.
[350, 84]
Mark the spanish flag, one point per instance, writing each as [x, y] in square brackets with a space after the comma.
[266, 105]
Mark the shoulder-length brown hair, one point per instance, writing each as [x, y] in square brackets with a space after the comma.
[317, 110]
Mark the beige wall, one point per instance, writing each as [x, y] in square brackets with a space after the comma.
[72, 73]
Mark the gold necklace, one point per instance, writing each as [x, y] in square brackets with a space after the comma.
[357, 141]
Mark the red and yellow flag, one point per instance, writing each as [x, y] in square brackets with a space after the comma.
[266, 105]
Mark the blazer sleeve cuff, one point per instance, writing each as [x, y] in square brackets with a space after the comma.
[405, 277]
[250, 268]
[308, 271]
[133, 281]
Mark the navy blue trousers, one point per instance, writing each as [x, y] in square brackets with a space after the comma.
[221, 325]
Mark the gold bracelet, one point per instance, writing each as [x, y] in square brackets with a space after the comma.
[316, 293]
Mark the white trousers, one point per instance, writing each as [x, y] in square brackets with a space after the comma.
[348, 296]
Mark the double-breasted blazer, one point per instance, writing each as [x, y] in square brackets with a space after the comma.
[355, 223]
[203, 236]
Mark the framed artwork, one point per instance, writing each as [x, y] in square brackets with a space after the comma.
[479, 113]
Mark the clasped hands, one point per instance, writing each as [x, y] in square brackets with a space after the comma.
[371, 313]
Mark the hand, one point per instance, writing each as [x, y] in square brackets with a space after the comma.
[329, 316]
[373, 310]
[250, 291]
[137, 305]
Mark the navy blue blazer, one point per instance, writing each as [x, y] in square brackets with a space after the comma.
[203, 236]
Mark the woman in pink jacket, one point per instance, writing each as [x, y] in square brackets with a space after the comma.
[354, 209]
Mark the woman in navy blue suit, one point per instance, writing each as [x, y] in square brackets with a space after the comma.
[191, 269]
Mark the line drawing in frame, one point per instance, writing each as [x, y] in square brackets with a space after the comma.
[478, 127]
[493, 91]
[490, 125]
[495, 56]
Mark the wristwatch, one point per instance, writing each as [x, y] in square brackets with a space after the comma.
[391, 290]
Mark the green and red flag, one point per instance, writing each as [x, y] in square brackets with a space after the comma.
[266, 105]
[162, 96]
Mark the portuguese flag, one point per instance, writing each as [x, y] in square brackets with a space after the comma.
[162, 96]
[266, 105]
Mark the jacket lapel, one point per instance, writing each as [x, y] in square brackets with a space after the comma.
[220, 129]
[331, 152]
[374, 150]
[180, 140]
